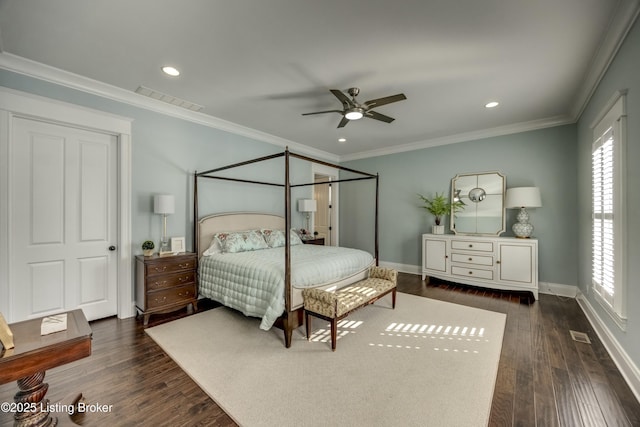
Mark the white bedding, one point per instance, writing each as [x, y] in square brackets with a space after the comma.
[253, 282]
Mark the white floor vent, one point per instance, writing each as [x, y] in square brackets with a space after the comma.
[580, 337]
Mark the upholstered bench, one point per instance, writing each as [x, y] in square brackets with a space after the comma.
[335, 306]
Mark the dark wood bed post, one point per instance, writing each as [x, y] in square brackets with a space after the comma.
[376, 220]
[290, 319]
[196, 238]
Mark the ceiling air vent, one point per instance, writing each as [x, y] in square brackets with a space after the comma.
[168, 99]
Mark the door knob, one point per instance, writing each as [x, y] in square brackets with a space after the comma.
[112, 248]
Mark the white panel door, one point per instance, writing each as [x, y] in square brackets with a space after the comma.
[64, 220]
[322, 217]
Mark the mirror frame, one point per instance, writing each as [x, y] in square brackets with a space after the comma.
[503, 190]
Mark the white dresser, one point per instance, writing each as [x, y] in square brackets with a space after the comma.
[506, 263]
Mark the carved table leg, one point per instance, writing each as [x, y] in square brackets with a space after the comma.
[30, 399]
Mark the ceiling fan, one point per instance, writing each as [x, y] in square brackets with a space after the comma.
[352, 110]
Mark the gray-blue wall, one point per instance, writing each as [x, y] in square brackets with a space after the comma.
[623, 73]
[543, 158]
[165, 153]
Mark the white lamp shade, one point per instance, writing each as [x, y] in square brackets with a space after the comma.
[163, 204]
[307, 205]
[523, 197]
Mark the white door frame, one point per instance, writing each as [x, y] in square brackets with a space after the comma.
[334, 173]
[15, 103]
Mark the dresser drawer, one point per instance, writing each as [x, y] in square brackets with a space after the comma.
[172, 266]
[470, 245]
[472, 272]
[166, 281]
[170, 296]
[472, 259]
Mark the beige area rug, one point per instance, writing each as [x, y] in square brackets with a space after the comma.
[426, 363]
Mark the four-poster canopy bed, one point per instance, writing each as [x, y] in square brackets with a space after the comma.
[275, 299]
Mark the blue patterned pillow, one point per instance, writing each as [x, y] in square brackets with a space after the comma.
[241, 241]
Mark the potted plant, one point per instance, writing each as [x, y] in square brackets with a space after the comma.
[439, 206]
[147, 247]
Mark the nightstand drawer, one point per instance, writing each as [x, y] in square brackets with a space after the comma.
[166, 281]
[171, 296]
[472, 272]
[472, 259]
[470, 245]
[170, 266]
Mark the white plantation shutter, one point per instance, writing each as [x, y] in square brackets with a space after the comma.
[603, 216]
[608, 208]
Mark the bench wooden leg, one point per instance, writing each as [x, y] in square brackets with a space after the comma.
[334, 333]
[307, 321]
[393, 298]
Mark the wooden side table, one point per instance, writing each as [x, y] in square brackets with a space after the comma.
[33, 355]
[316, 241]
[165, 284]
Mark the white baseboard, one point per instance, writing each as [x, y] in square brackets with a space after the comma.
[557, 289]
[402, 268]
[627, 368]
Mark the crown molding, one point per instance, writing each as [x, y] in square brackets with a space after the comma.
[463, 137]
[60, 77]
[621, 23]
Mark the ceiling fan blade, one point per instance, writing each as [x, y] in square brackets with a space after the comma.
[322, 112]
[346, 102]
[378, 116]
[386, 100]
[343, 122]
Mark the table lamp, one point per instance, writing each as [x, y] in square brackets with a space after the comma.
[164, 204]
[522, 197]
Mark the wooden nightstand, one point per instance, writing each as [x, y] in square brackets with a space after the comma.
[165, 284]
[316, 241]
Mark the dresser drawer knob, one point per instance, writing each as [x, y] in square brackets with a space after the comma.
[470, 259]
[159, 284]
[470, 246]
[183, 279]
[471, 272]
[187, 293]
[159, 301]
[185, 265]
[158, 269]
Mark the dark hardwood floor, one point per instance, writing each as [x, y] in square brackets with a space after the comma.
[544, 377]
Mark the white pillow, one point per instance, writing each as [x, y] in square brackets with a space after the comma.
[214, 247]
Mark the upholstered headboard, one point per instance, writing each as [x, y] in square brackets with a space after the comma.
[236, 221]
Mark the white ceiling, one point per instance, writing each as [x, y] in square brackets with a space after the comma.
[261, 64]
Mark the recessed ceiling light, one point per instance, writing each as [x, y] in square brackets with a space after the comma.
[492, 104]
[342, 139]
[172, 71]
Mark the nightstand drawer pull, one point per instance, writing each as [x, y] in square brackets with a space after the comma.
[160, 301]
[187, 294]
[185, 265]
[158, 284]
[159, 270]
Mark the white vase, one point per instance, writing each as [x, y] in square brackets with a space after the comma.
[437, 229]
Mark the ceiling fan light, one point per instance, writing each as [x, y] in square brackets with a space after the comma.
[354, 114]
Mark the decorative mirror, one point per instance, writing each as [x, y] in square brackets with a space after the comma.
[483, 198]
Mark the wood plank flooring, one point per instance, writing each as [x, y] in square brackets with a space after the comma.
[544, 377]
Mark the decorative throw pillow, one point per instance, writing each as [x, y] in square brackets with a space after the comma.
[241, 241]
[214, 247]
[274, 238]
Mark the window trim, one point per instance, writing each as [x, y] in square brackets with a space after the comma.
[613, 116]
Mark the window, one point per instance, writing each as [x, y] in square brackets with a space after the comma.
[607, 172]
